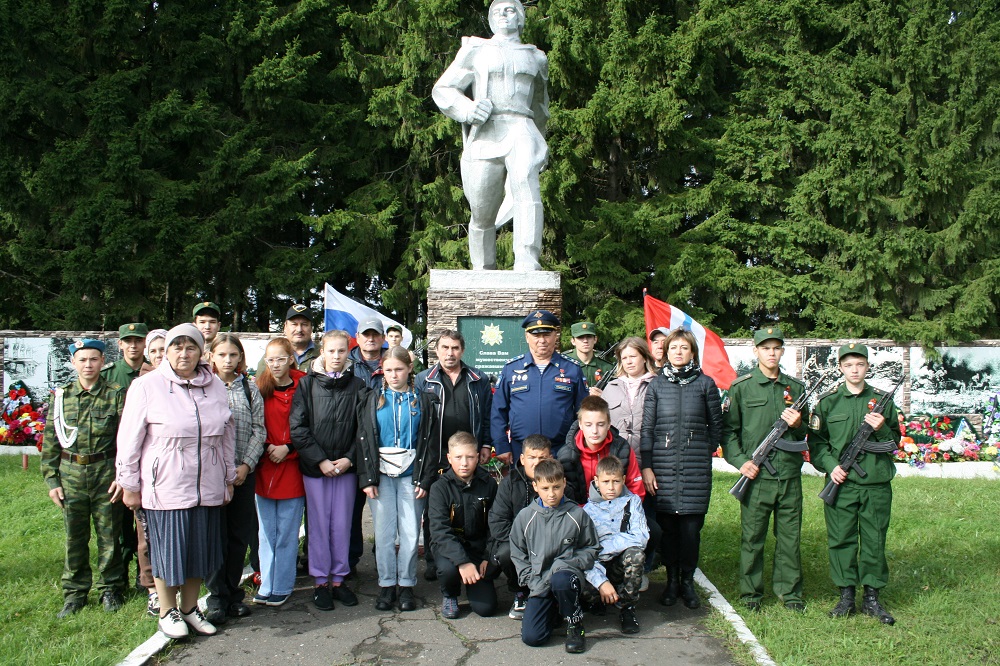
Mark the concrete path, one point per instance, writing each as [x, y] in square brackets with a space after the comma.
[297, 633]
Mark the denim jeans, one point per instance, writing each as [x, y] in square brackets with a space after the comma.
[396, 513]
[279, 543]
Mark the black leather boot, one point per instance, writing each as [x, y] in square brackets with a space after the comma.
[669, 595]
[845, 606]
[871, 606]
[688, 594]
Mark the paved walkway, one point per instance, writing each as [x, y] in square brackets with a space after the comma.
[297, 633]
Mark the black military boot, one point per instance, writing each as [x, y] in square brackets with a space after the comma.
[630, 623]
[575, 636]
[669, 595]
[871, 606]
[845, 606]
[688, 594]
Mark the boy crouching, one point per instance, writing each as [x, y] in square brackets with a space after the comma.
[458, 507]
[622, 530]
[552, 543]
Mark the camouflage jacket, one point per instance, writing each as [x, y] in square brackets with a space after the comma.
[95, 412]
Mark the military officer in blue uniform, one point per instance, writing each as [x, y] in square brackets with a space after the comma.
[538, 392]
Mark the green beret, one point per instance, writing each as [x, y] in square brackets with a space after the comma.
[767, 333]
[135, 330]
[852, 348]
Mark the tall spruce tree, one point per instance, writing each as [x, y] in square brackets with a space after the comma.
[832, 166]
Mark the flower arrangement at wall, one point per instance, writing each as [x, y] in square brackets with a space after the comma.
[22, 424]
[941, 439]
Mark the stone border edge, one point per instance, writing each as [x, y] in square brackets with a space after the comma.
[729, 613]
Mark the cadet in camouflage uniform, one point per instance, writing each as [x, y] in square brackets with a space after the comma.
[132, 343]
[593, 366]
[78, 464]
[755, 402]
[860, 513]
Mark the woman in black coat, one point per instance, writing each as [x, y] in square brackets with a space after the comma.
[681, 428]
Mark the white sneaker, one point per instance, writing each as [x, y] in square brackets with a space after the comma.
[172, 625]
[644, 583]
[196, 620]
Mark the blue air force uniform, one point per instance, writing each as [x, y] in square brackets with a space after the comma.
[529, 402]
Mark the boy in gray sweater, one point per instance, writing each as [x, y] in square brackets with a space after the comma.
[552, 543]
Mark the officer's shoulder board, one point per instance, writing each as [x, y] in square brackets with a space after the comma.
[107, 366]
[827, 394]
[514, 360]
[574, 361]
[741, 378]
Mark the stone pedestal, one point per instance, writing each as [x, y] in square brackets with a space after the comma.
[454, 294]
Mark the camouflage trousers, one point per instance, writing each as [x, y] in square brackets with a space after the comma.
[86, 491]
[625, 571]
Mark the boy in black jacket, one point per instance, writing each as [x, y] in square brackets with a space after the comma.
[553, 542]
[515, 493]
[458, 507]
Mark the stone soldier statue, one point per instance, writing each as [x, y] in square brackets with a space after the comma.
[498, 89]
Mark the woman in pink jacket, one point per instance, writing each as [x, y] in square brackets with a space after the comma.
[176, 446]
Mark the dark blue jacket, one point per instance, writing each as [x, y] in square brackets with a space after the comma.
[369, 371]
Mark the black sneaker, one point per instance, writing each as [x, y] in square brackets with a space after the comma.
[386, 598]
[575, 638]
[323, 598]
[343, 594]
[112, 601]
[630, 623]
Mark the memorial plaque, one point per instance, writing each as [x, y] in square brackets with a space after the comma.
[492, 341]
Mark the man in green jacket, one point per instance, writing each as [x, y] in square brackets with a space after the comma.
[132, 343]
[593, 366]
[755, 402]
[78, 465]
[860, 514]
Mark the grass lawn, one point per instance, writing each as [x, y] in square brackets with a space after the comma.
[32, 544]
[944, 588]
[944, 558]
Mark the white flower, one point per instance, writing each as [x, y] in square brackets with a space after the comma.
[910, 448]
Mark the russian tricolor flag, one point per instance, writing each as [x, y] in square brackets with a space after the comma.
[345, 313]
[714, 359]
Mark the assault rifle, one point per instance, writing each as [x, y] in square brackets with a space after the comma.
[762, 454]
[859, 445]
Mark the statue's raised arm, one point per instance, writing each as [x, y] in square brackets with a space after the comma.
[498, 89]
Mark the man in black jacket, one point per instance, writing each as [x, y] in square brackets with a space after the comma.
[458, 506]
[516, 492]
[465, 398]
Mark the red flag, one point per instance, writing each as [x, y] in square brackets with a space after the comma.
[714, 359]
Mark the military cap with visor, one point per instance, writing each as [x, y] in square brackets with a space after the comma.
[582, 328]
[211, 307]
[135, 330]
[852, 348]
[767, 333]
[540, 321]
